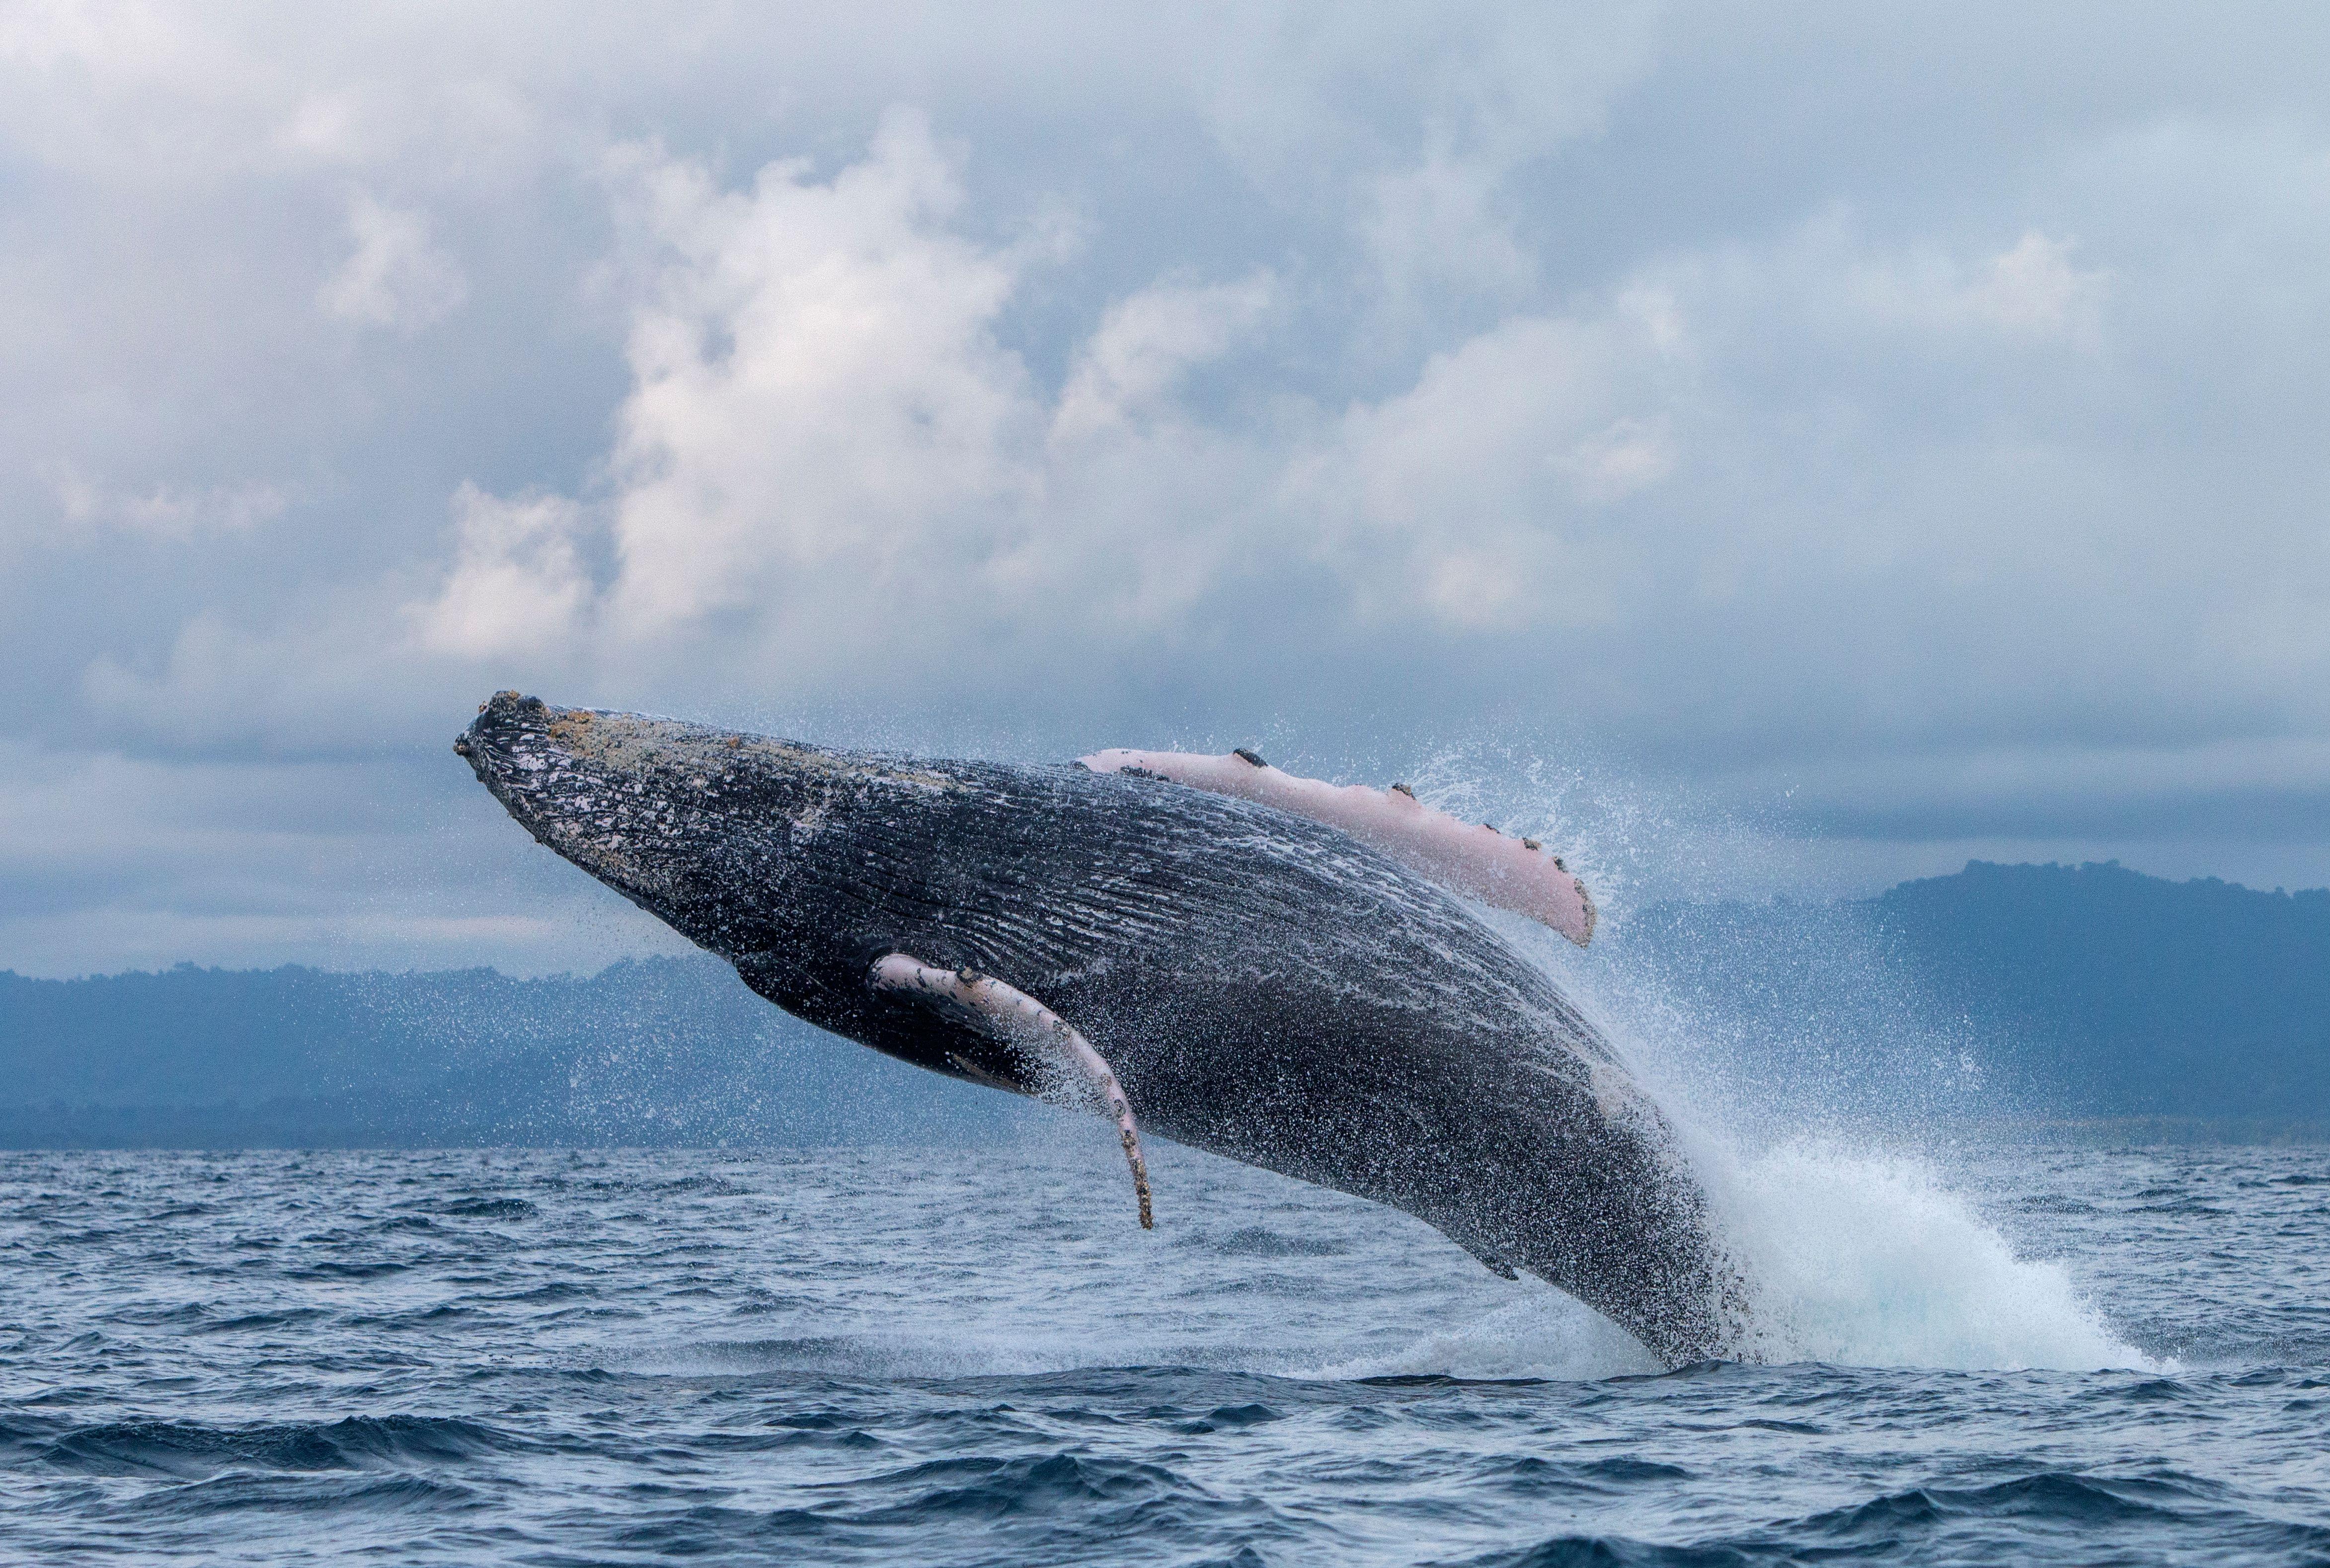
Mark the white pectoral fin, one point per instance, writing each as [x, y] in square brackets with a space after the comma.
[1467, 857]
[1018, 1017]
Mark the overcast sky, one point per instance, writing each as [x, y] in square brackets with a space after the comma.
[1782, 449]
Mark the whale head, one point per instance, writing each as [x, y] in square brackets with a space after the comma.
[614, 793]
[800, 865]
[707, 830]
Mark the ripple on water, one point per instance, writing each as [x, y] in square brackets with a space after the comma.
[185, 1449]
[516, 1357]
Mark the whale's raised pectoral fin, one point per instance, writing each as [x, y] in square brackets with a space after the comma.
[1472, 858]
[1027, 1022]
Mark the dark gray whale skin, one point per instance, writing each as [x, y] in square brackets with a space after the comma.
[1266, 988]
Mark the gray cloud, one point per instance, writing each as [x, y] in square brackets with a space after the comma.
[1894, 438]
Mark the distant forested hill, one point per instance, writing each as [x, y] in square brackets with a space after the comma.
[659, 1052]
[2084, 992]
[2089, 991]
[2137, 994]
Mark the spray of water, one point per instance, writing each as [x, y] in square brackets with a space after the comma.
[1810, 1084]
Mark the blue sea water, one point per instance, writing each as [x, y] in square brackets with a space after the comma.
[975, 1356]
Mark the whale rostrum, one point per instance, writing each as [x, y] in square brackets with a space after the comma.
[1251, 973]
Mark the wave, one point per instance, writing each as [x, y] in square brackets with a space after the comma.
[189, 1450]
[2049, 1515]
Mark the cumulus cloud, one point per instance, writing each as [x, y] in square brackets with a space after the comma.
[1434, 226]
[516, 581]
[1465, 497]
[831, 465]
[1408, 123]
[2031, 290]
[1130, 367]
[1708, 391]
[397, 277]
[166, 510]
[819, 398]
[827, 450]
[2034, 288]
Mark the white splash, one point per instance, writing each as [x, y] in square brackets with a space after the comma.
[1857, 1249]
[1541, 1334]
[1871, 1260]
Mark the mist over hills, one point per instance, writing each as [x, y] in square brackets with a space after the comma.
[2058, 992]
[659, 1051]
[2072, 992]
[2132, 994]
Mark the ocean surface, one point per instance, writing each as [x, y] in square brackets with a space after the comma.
[974, 1356]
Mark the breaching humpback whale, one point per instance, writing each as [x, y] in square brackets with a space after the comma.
[1218, 964]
